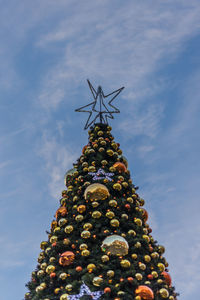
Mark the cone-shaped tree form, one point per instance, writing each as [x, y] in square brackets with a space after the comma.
[100, 245]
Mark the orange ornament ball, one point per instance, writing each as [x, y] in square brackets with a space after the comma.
[130, 279]
[66, 258]
[150, 276]
[53, 275]
[120, 167]
[168, 279]
[61, 211]
[145, 215]
[107, 290]
[144, 292]
[79, 269]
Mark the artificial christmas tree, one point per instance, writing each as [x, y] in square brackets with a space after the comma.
[100, 245]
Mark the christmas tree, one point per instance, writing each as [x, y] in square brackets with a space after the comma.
[100, 244]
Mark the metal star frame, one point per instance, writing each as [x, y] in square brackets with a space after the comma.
[101, 174]
[98, 108]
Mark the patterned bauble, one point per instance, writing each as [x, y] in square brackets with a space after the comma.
[144, 292]
[96, 191]
[115, 245]
[66, 258]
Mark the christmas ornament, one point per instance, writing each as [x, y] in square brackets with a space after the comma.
[50, 269]
[115, 245]
[144, 292]
[114, 223]
[69, 229]
[69, 287]
[125, 263]
[66, 258]
[81, 208]
[167, 277]
[61, 211]
[91, 267]
[101, 174]
[68, 176]
[113, 203]
[85, 234]
[85, 252]
[120, 167]
[96, 214]
[83, 246]
[97, 281]
[96, 191]
[64, 297]
[110, 273]
[62, 222]
[164, 293]
[138, 276]
[117, 186]
[105, 258]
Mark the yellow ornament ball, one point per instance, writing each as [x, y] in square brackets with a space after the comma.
[110, 214]
[132, 232]
[85, 252]
[114, 223]
[138, 221]
[85, 234]
[69, 287]
[43, 245]
[63, 276]
[64, 297]
[91, 267]
[69, 229]
[113, 203]
[138, 276]
[57, 290]
[134, 256]
[43, 266]
[96, 214]
[164, 293]
[79, 218]
[110, 273]
[130, 200]
[105, 258]
[97, 281]
[50, 269]
[96, 191]
[83, 247]
[95, 204]
[154, 274]
[87, 226]
[147, 258]
[125, 263]
[117, 186]
[40, 273]
[161, 267]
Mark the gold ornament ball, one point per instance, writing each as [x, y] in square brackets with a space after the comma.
[113, 203]
[159, 281]
[161, 249]
[138, 245]
[100, 133]
[92, 169]
[43, 266]
[79, 218]
[142, 266]
[50, 269]
[125, 263]
[95, 204]
[52, 259]
[110, 152]
[85, 234]
[85, 252]
[69, 229]
[83, 247]
[87, 226]
[124, 216]
[105, 258]
[164, 293]
[96, 214]
[53, 239]
[154, 274]
[104, 162]
[56, 229]
[43, 245]
[132, 232]
[125, 184]
[112, 169]
[147, 258]
[64, 297]
[171, 298]
[63, 276]
[43, 284]
[62, 222]
[97, 281]
[138, 298]
[154, 255]
[57, 290]
[110, 273]
[39, 289]
[96, 191]
[120, 293]
[114, 223]
[134, 256]
[40, 273]
[69, 287]
[91, 267]
[101, 149]
[84, 164]
[130, 200]
[146, 238]
[110, 214]
[161, 267]
[138, 221]
[138, 276]
[117, 186]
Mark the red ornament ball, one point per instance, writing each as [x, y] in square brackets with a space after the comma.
[120, 167]
[150, 276]
[52, 275]
[107, 290]
[144, 292]
[168, 279]
[79, 269]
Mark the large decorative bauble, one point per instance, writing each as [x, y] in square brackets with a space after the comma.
[120, 167]
[61, 211]
[168, 279]
[66, 258]
[69, 175]
[164, 293]
[97, 281]
[115, 245]
[144, 292]
[96, 191]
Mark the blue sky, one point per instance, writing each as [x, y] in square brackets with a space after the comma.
[48, 49]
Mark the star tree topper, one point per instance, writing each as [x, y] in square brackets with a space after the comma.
[98, 108]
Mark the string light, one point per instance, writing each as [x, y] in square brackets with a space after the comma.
[84, 290]
[101, 174]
